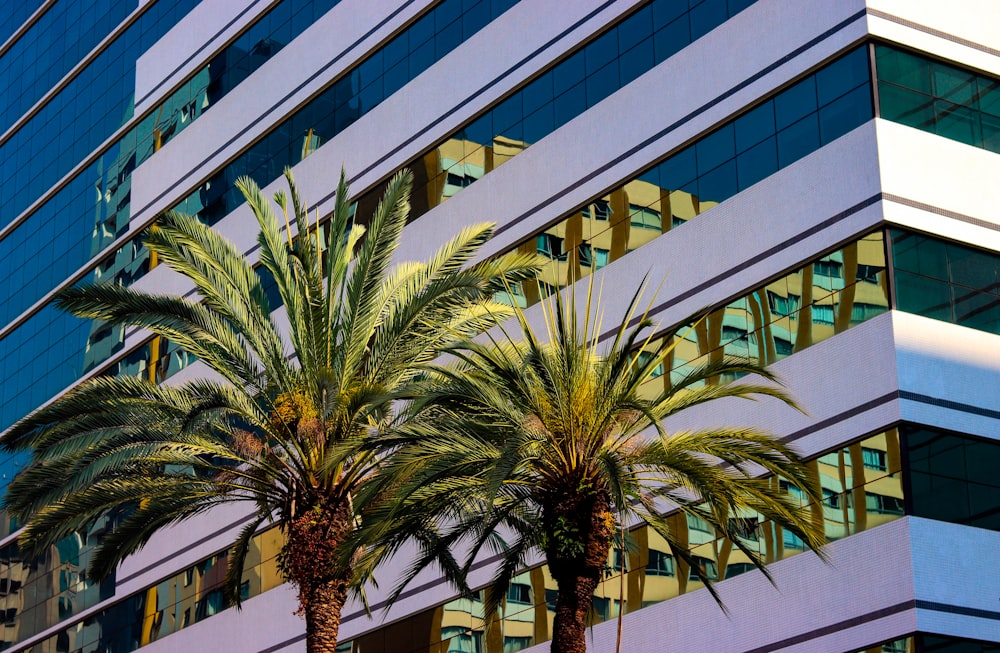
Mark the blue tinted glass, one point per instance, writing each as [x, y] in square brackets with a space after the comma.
[843, 75]
[678, 169]
[844, 114]
[798, 139]
[671, 38]
[795, 102]
[636, 61]
[706, 16]
[537, 93]
[754, 125]
[569, 73]
[719, 184]
[715, 148]
[601, 51]
[602, 83]
[757, 162]
[570, 103]
[635, 28]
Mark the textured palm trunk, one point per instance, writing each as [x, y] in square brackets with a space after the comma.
[309, 561]
[322, 611]
[580, 529]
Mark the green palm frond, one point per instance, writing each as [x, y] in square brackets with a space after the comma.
[294, 438]
[520, 420]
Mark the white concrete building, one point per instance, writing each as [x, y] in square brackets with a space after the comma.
[838, 163]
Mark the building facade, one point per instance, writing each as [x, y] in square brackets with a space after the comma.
[837, 163]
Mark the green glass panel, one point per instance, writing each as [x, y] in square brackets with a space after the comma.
[977, 310]
[972, 268]
[958, 86]
[989, 96]
[905, 107]
[903, 69]
[957, 123]
[919, 255]
[923, 296]
[991, 132]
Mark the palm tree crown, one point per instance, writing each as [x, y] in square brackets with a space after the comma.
[286, 423]
[553, 441]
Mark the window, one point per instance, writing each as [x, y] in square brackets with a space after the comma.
[462, 640]
[881, 504]
[744, 527]
[832, 269]
[513, 644]
[737, 568]
[644, 357]
[874, 459]
[550, 246]
[619, 558]
[696, 523]
[593, 256]
[781, 305]
[660, 564]
[550, 599]
[602, 210]
[519, 593]
[831, 498]
[644, 217]
[708, 567]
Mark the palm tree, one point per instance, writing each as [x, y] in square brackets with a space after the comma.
[552, 441]
[284, 422]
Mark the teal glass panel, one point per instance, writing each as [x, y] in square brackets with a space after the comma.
[934, 96]
[953, 477]
[922, 296]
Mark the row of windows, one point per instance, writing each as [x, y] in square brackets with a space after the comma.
[82, 115]
[643, 199]
[779, 131]
[616, 57]
[13, 18]
[409, 53]
[939, 98]
[787, 315]
[865, 484]
[182, 600]
[51, 47]
[93, 209]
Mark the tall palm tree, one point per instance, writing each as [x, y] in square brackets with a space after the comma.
[284, 421]
[551, 441]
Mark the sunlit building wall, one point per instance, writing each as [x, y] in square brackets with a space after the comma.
[820, 175]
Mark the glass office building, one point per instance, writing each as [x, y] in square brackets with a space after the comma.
[822, 176]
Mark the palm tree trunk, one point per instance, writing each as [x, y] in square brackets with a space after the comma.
[580, 529]
[322, 609]
[309, 560]
[569, 629]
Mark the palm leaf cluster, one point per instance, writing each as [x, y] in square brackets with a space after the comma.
[546, 442]
[286, 422]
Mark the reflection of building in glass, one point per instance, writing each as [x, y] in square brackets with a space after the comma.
[817, 175]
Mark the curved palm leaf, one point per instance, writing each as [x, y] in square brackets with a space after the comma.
[555, 441]
[287, 435]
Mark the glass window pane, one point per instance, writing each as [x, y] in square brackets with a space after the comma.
[843, 115]
[957, 123]
[719, 184]
[923, 296]
[906, 107]
[795, 102]
[842, 75]
[754, 126]
[903, 68]
[797, 140]
[715, 148]
[757, 163]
